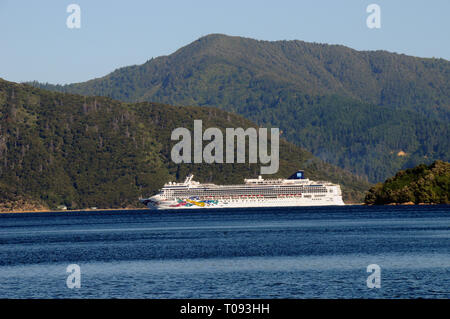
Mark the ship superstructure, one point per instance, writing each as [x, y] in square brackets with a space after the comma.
[293, 191]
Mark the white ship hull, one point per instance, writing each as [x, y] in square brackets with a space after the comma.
[292, 192]
[278, 202]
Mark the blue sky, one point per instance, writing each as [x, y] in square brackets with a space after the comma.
[37, 45]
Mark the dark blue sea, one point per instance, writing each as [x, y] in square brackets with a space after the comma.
[239, 253]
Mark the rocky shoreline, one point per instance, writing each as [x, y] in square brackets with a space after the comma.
[22, 205]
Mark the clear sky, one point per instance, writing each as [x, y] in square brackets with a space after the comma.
[36, 44]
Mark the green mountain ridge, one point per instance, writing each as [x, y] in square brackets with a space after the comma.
[65, 149]
[354, 109]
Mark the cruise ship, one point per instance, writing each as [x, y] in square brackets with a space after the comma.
[258, 192]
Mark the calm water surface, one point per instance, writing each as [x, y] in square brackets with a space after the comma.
[238, 253]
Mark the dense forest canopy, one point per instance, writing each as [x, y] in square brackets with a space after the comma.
[370, 112]
[65, 149]
[427, 184]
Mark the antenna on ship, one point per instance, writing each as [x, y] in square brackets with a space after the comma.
[188, 179]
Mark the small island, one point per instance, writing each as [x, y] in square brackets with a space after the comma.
[423, 184]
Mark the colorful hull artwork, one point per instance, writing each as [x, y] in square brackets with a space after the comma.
[194, 201]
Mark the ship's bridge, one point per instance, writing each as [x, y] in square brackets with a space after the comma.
[276, 181]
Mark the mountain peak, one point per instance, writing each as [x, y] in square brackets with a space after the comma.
[327, 98]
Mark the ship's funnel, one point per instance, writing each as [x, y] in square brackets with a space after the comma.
[297, 175]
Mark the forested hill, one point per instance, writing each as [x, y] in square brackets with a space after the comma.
[65, 149]
[422, 184]
[370, 112]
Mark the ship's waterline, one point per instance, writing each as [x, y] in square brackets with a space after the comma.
[291, 192]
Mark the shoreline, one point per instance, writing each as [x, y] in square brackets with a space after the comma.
[145, 208]
[68, 210]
